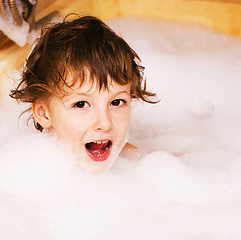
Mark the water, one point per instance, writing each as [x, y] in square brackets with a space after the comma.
[187, 187]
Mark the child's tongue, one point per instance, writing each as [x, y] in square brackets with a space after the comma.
[97, 149]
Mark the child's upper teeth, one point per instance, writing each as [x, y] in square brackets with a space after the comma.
[101, 142]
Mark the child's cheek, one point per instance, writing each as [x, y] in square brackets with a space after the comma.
[122, 118]
[75, 131]
[69, 131]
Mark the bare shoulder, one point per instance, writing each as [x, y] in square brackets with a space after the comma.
[132, 152]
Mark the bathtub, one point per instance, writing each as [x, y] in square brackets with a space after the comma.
[187, 187]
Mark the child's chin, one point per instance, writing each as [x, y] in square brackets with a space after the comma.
[100, 167]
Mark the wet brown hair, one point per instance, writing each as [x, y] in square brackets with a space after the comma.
[81, 46]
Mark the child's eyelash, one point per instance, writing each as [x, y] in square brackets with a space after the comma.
[118, 102]
[81, 104]
[85, 104]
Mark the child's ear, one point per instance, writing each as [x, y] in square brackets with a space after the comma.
[41, 114]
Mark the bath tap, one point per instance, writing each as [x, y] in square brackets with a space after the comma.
[17, 17]
[22, 10]
[17, 13]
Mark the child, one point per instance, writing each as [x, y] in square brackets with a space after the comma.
[81, 78]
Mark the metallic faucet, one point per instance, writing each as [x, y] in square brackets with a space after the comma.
[17, 12]
[22, 10]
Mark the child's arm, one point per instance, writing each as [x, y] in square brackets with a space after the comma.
[132, 152]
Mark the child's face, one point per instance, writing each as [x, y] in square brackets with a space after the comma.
[92, 123]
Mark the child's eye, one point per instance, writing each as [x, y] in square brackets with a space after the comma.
[81, 104]
[117, 102]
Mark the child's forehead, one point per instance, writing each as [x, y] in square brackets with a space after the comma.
[91, 85]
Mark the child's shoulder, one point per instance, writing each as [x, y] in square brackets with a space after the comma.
[132, 152]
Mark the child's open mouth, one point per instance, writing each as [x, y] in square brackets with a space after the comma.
[99, 151]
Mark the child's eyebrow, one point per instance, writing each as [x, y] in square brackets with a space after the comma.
[121, 92]
[71, 95]
[86, 94]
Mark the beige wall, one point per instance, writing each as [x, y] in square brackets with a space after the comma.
[222, 15]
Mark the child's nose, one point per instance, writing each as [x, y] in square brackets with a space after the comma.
[103, 121]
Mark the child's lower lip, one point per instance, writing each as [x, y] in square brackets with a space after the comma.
[99, 157]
